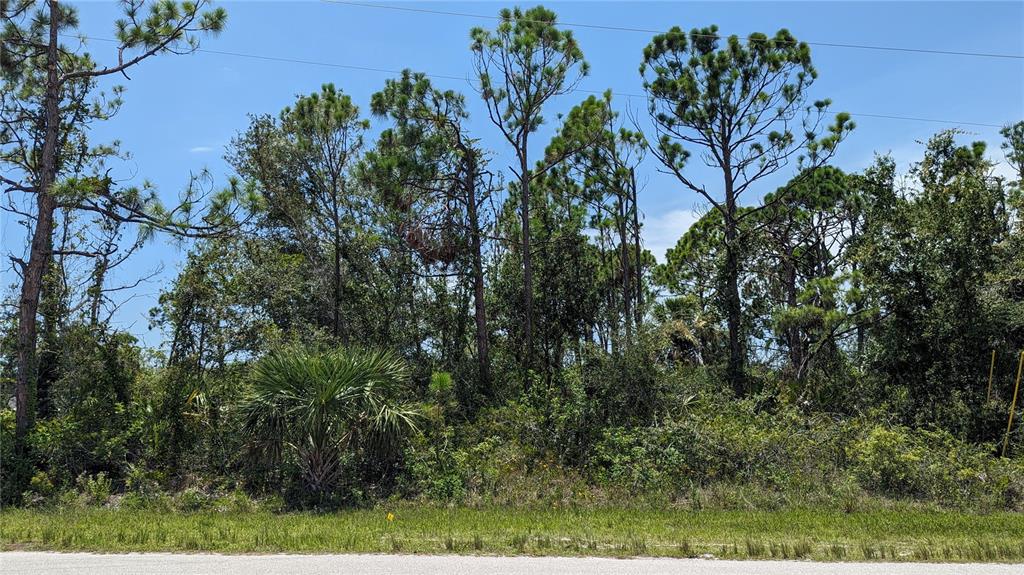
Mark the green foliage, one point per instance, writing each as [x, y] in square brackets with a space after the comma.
[16, 473]
[534, 57]
[442, 387]
[1013, 148]
[78, 174]
[318, 408]
[738, 106]
[90, 431]
[434, 468]
[693, 275]
[562, 265]
[926, 253]
[693, 82]
[96, 488]
[829, 345]
[935, 466]
[714, 442]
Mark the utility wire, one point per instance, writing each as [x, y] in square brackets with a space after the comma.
[913, 119]
[466, 79]
[278, 59]
[653, 31]
[314, 63]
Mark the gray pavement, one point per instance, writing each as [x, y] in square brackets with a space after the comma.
[24, 563]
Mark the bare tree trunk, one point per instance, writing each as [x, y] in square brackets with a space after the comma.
[735, 370]
[793, 340]
[483, 357]
[637, 252]
[524, 208]
[42, 243]
[626, 272]
[733, 310]
[336, 323]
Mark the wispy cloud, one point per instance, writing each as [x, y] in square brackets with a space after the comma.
[662, 231]
[200, 149]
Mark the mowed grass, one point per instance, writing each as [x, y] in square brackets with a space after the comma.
[910, 535]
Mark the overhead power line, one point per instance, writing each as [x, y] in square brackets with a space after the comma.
[913, 119]
[282, 59]
[467, 79]
[653, 31]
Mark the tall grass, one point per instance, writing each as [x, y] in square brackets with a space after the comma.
[793, 534]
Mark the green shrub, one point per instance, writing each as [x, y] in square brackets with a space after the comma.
[143, 481]
[147, 501]
[433, 466]
[69, 445]
[713, 440]
[441, 387]
[15, 472]
[237, 501]
[329, 413]
[933, 465]
[41, 484]
[96, 489]
[192, 499]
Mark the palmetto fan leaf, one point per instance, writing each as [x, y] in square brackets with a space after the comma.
[316, 406]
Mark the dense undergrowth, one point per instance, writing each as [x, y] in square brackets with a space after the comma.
[699, 450]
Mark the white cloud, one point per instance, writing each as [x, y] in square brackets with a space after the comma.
[200, 149]
[661, 231]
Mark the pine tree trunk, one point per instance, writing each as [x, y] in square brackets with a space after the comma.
[42, 244]
[336, 319]
[734, 312]
[524, 208]
[625, 269]
[735, 370]
[637, 253]
[479, 305]
[793, 340]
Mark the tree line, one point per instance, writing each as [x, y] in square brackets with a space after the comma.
[393, 229]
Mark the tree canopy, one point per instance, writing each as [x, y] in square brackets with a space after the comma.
[372, 306]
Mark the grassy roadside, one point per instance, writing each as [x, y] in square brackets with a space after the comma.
[792, 534]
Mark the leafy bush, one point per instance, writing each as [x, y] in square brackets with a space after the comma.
[76, 443]
[15, 472]
[933, 465]
[41, 484]
[89, 429]
[193, 499]
[96, 489]
[435, 472]
[717, 441]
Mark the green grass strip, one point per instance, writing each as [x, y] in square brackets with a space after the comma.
[792, 534]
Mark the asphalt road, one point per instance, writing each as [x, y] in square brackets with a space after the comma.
[19, 563]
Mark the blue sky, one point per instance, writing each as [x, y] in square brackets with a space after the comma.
[181, 111]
